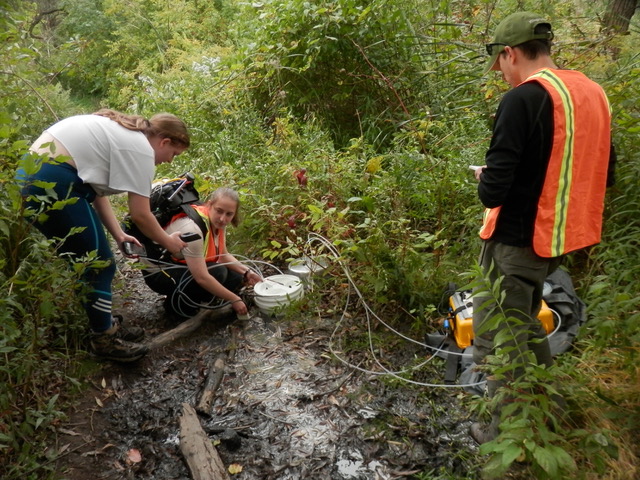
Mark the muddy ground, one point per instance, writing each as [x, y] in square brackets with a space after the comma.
[286, 408]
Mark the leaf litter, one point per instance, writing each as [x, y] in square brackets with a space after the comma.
[285, 410]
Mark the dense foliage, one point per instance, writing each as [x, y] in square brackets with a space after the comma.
[382, 104]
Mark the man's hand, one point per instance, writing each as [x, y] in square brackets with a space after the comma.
[477, 170]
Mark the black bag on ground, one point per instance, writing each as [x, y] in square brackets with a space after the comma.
[570, 314]
[168, 199]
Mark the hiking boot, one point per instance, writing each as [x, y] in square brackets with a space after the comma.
[111, 346]
[129, 334]
[482, 433]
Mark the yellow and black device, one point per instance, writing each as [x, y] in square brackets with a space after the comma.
[461, 315]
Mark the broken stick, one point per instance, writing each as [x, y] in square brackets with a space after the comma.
[214, 378]
[187, 327]
[201, 456]
[215, 375]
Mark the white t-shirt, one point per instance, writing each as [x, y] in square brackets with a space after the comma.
[193, 249]
[111, 158]
[186, 225]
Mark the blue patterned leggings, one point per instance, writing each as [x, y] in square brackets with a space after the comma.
[97, 296]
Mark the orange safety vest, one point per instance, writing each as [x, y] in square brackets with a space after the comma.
[214, 243]
[571, 203]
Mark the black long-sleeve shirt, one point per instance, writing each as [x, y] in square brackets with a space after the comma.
[517, 162]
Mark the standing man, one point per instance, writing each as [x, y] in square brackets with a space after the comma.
[543, 184]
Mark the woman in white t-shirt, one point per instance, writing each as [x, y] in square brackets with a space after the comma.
[88, 158]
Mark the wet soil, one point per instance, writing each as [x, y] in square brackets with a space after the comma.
[286, 408]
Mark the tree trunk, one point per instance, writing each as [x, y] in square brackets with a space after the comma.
[618, 15]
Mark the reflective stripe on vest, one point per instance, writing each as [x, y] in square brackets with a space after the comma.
[570, 207]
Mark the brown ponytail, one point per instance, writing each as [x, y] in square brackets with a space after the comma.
[137, 123]
[164, 125]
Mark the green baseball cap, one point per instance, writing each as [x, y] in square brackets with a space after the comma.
[517, 28]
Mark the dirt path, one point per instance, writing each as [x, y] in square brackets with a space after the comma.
[286, 409]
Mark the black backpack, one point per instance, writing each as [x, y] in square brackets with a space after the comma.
[167, 200]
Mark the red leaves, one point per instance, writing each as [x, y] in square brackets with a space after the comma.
[301, 176]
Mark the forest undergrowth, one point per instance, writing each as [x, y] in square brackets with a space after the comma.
[380, 106]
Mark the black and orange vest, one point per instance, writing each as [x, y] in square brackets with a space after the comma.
[214, 242]
[570, 207]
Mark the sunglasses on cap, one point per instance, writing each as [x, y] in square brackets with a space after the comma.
[490, 47]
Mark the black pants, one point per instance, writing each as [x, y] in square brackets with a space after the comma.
[184, 296]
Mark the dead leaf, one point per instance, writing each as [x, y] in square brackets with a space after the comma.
[116, 383]
[103, 383]
[333, 400]
[99, 402]
[64, 448]
[235, 468]
[134, 456]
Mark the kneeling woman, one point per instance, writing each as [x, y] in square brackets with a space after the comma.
[204, 273]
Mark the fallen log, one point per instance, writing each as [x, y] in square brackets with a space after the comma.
[188, 326]
[202, 457]
[215, 375]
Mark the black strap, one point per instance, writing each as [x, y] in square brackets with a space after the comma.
[190, 212]
[195, 216]
[462, 307]
[453, 361]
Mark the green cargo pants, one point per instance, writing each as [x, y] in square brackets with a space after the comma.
[524, 274]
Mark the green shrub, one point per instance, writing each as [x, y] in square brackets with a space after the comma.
[40, 331]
